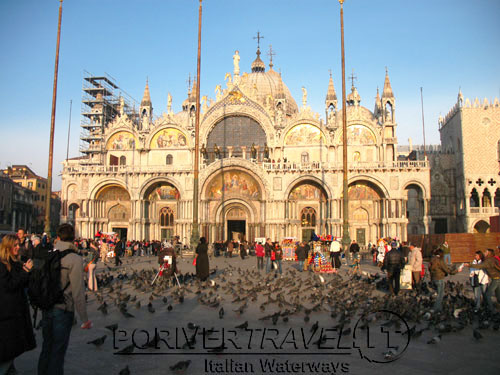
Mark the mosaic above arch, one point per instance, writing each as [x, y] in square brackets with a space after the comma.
[358, 135]
[169, 137]
[304, 134]
[361, 192]
[164, 192]
[122, 141]
[306, 192]
[236, 183]
[113, 193]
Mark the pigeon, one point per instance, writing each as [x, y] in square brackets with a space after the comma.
[125, 371]
[151, 308]
[112, 327]
[221, 313]
[434, 340]
[192, 326]
[243, 326]
[477, 334]
[126, 314]
[391, 353]
[165, 300]
[169, 307]
[99, 341]
[181, 366]
[127, 350]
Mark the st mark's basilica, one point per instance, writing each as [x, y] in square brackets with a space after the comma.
[269, 166]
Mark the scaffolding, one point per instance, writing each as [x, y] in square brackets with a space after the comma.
[102, 102]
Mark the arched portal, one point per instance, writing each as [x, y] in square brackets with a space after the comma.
[112, 209]
[232, 201]
[307, 206]
[161, 210]
[73, 213]
[481, 227]
[415, 209]
[365, 211]
[235, 136]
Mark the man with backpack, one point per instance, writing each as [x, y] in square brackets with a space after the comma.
[491, 266]
[57, 320]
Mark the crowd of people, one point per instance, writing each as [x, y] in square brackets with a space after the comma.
[22, 256]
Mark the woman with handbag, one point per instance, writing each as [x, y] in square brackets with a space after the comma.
[91, 259]
[478, 280]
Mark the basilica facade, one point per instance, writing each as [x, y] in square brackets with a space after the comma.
[269, 167]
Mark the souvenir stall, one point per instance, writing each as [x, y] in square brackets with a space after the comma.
[288, 245]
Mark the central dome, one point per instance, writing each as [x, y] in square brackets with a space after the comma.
[264, 84]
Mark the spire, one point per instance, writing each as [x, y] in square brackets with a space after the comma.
[146, 98]
[377, 104]
[271, 53]
[387, 93]
[331, 94]
[281, 91]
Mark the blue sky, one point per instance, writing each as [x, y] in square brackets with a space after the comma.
[438, 45]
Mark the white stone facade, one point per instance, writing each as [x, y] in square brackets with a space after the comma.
[267, 168]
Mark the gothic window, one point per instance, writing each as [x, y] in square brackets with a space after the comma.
[497, 198]
[486, 198]
[308, 217]
[123, 160]
[166, 217]
[304, 158]
[170, 159]
[474, 198]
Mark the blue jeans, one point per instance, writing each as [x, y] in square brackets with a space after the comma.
[447, 259]
[279, 266]
[268, 264]
[493, 288]
[56, 329]
[301, 265]
[479, 291]
[440, 291]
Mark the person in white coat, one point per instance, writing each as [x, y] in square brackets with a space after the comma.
[478, 280]
[415, 261]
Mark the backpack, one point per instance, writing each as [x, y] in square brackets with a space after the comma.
[45, 289]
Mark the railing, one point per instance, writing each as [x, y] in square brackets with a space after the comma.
[484, 210]
[268, 166]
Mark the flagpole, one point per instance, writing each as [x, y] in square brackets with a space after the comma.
[52, 126]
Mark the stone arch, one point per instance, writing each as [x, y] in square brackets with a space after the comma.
[417, 183]
[415, 208]
[230, 203]
[216, 172]
[236, 183]
[374, 181]
[223, 111]
[118, 213]
[72, 192]
[481, 226]
[308, 178]
[486, 200]
[154, 180]
[299, 122]
[102, 184]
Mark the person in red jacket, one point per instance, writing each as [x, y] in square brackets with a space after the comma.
[259, 252]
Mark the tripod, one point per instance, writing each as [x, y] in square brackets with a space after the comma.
[165, 266]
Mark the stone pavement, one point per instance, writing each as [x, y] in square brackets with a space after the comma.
[457, 353]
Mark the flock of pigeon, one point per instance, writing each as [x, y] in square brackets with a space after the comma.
[229, 292]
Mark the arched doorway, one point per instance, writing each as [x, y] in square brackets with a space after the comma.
[232, 201]
[161, 211]
[307, 207]
[365, 211]
[415, 209]
[481, 227]
[112, 210]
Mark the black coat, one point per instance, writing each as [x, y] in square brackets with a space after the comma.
[301, 253]
[202, 266]
[15, 323]
[393, 261]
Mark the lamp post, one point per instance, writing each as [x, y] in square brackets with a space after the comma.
[195, 231]
[345, 202]
[52, 125]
